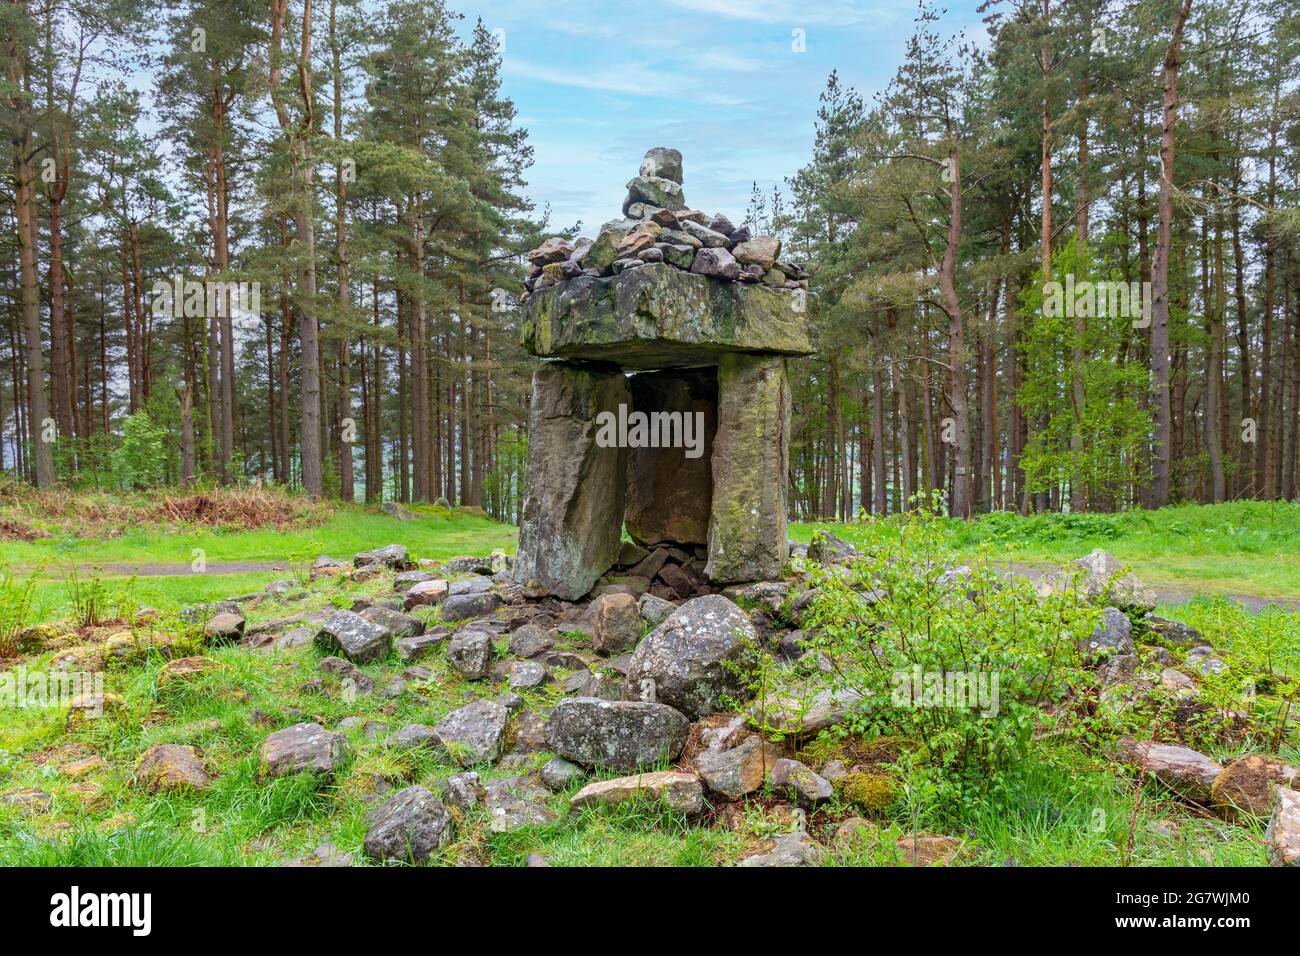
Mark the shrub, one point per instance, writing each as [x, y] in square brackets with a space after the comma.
[951, 655]
[141, 460]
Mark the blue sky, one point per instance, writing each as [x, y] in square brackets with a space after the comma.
[598, 83]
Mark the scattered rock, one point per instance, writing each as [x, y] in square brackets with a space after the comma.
[474, 733]
[529, 641]
[805, 785]
[347, 671]
[734, 773]
[826, 548]
[1283, 834]
[425, 594]
[558, 774]
[526, 675]
[1101, 576]
[459, 607]
[1182, 770]
[84, 767]
[508, 812]
[354, 637]
[171, 767]
[681, 791]
[398, 625]
[304, 747]
[1175, 632]
[1113, 635]
[324, 567]
[620, 735]
[27, 799]
[391, 556]
[325, 855]
[655, 610]
[185, 668]
[415, 737]
[1177, 683]
[470, 652]
[789, 849]
[409, 579]
[411, 825]
[1248, 785]
[415, 648]
[224, 628]
[929, 850]
[616, 623]
[692, 657]
[463, 790]
[804, 717]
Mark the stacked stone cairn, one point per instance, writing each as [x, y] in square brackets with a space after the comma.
[669, 312]
[658, 227]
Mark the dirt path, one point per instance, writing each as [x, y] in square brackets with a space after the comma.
[1165, 594]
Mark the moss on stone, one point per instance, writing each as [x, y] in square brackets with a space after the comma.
[872, 792]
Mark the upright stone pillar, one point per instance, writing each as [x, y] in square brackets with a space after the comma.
[751, 454]
[573, 509]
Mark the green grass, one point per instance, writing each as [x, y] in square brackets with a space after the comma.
[1058, 809]
[1063, 806]
[1247, 547]
[434, 533]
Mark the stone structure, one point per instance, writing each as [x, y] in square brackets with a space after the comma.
[687, 320]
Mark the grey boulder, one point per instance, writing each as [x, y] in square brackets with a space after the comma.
[411, 825]
[690, 661]
[620, 735]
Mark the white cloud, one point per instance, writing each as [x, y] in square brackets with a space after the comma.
[776, 11]
[625, 79]
[724, 60]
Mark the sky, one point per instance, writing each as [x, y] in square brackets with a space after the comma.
[598, 83]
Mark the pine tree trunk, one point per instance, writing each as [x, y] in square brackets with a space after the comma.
[1161, 453]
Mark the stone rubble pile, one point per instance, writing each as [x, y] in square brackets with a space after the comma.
[658, 227]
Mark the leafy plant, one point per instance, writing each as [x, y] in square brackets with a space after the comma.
[946, 653]
[16, 597]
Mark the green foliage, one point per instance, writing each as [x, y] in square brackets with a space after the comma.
[1092, 438]
[950, 655]
[16, 598]
[140, 461]
[91, 600]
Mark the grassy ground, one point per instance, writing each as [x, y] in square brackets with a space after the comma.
[1248, 547]
[1061, 808]
[121, 533]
